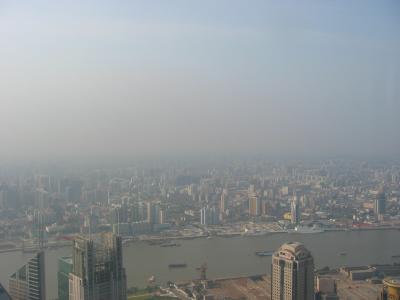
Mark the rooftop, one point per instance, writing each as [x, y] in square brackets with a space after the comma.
[294, 250]
[392, 281]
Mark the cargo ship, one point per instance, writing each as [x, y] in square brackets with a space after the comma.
[183, 265]
[264, 253]
[170, 245]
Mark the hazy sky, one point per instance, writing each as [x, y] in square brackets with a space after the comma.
[101, 78]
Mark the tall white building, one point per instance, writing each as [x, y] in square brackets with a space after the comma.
[295, 210]
[223, 201]
[292, 273]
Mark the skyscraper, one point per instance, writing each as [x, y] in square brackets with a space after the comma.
[264, 207]
[38, 228]
[204, 216]
[209, 216]
[254, 205]
[64, 268]
[380, 205]
[295, 210]
[97, 271]
[162, 218]
[28, 283]
[153, 213]
[223, 199]
[292, 273]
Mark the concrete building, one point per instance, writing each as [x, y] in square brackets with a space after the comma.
[97, 271]
[380, 205]
[367, 272]
[264, 207]
[29, 281]
[326, 288]
[391, 288]
[209, 216]
[295, 210]
[254, 205]
[155, 214]
[162, 216]
[223, 204]
[292, 273]
[64, 268]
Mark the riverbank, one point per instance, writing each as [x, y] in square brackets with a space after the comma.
[158, 239]
[226, 257]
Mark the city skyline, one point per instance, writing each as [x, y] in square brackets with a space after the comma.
[177, 221]
[205, 150]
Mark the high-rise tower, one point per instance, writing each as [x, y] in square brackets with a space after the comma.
[38, 229]
[28, 283]
[223, 204]
[209, 216]
[254, 205]
[64, 269]
[380, 205]
[295, 210]
[292, 273]
[97, 271]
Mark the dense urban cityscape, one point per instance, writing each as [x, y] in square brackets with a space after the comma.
[45, 208]
[200, 150]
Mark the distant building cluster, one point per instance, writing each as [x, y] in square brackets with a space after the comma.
[42, 207]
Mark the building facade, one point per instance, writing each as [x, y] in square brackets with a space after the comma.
[28, 283]
[209, 216]
[64, 269]
[380, 205]
[295, 210]
[223, 204]
[97, 271]
[391, 288]
[292, 273]
[254, 205]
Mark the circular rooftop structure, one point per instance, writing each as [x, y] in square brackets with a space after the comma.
[392, 282]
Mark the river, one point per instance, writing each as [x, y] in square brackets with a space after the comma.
[227, 256]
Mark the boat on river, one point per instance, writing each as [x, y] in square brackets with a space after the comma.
[170, 245]
[264, 253]
[306, 230]
[179, 265]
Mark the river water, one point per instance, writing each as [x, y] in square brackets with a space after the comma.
[227, 257]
